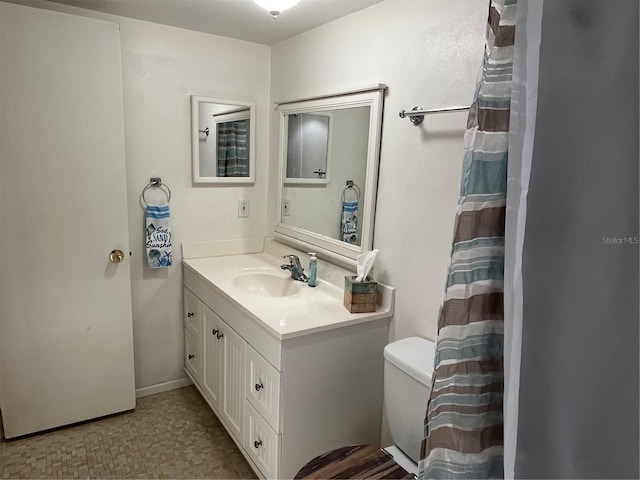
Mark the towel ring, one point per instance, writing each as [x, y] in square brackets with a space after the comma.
[351, 187]
[155, 183]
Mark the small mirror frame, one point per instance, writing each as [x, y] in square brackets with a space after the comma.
[312, 241]
[195, 142]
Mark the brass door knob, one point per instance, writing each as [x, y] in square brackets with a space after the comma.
[116, 256]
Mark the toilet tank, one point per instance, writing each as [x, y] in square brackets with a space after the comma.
[408, 367]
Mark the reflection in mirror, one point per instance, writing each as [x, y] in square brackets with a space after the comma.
[222, 140]
[348, 153]
[308, 147]
[332, 215]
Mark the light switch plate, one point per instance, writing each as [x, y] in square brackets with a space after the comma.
[243, 208]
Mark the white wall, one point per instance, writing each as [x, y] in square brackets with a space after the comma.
[428, 53]
[161, 68]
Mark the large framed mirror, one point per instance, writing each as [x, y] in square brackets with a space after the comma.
[332, 211]
[222, 140]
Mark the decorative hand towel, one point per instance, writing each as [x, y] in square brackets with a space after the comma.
[350, 222]
[158, 236]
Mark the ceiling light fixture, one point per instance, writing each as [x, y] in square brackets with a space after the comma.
[276, 7]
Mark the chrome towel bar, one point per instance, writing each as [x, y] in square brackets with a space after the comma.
[416, 114]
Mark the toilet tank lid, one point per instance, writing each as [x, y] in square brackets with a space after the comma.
[414, 356]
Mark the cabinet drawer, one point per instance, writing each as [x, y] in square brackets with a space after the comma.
[262, 443]
[192, 314]
[263, 387]
[193, 356]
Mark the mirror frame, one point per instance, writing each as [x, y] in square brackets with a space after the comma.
[195, 142]
[311, 241]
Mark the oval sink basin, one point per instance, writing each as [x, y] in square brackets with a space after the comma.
[266, 284]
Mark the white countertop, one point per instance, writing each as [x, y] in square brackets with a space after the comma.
[307, 311]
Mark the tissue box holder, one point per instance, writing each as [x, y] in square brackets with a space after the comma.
[360, 297]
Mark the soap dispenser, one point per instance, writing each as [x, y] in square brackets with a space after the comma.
[313, 270]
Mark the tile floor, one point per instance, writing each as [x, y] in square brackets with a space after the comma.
[169, 435]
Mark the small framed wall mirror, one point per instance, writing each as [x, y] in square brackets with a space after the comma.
[329, 155]
[222, 140]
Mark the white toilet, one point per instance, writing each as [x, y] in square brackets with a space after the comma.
[408, 365]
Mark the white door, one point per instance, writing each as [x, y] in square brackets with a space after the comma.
[66, 347]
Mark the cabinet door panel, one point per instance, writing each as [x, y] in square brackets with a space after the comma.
[233, 381]
[213, 360]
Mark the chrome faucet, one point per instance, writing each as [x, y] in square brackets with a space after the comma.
[294, 266]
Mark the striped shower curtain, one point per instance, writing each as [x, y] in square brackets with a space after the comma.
[233, 160]
[464, 419]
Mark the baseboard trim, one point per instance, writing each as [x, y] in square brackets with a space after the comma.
[162, 387]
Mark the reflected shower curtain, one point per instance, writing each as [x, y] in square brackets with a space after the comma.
[233, 160]
[464, 418]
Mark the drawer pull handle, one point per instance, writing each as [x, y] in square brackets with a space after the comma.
[191, 356]
[219, 335]
[257, 443]
[259, 387]
[214, 331]
[190, 314]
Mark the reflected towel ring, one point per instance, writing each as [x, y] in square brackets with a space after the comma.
[155, 183]
[351, 187]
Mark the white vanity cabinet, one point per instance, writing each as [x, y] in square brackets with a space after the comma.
[285, 399]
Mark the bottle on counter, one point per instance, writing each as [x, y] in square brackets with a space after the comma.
[313, 270]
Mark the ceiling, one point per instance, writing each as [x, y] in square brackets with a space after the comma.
[241, 19]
